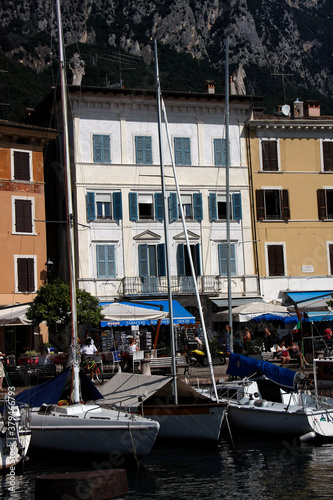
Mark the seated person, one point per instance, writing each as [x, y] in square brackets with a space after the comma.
[295, 352]
[282, 354]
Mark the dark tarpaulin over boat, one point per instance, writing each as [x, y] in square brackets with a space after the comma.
[50, 392]
[241, 366]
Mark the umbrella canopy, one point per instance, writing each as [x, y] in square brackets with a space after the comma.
[15, 315]
[126, 314]
[246, 312]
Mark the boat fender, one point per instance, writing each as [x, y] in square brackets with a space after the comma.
[307, 436]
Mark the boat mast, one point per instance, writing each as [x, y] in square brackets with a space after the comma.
[227, 181]
[70, 213]
[166, 238]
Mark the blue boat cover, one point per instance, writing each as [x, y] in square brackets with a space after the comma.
[180, 314]
[242, 366]
[50, 392]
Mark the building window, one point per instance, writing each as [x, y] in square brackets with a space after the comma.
[191, 204]
[223, 259]
[143, 150]
[275, 259]
[146, 206]
[104, 206]
[183, 261]
[218, 206]
[330, 256]
[101, 149]
[106, 261]
[220, 152]
[23, 216]
[325, 203]
[269, 156]
[328, 156]
[272, 204]
[21, 165]
[182, 147]
[151, 260]
[25, 274]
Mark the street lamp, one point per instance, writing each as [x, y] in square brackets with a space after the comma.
[49, 267]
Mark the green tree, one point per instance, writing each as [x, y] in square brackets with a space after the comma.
[52, 305]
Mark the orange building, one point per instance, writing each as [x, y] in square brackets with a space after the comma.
[22, 230]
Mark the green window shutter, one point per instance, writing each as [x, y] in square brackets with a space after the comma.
[148, 151]
[212, 206]
[139, 150]
[237, 206]
[117, 206]
[182, 146]
[101, 148]
[197, 205]
[143, 150]
[159, 206]
[143, 261]
[161, 259]
[133, 206]
[220, 152]
[173, 207]
[90, 206]
[106, 263]
[181, 259]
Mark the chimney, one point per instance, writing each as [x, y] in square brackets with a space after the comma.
[298, 108]
[210, 87]
[312, 108]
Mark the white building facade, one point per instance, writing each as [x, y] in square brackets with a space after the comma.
[118, 199]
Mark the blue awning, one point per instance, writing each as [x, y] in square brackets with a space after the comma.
[299, 297]
[180, 315]
[320, 316]
[276, 317]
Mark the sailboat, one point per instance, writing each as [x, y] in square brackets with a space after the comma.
[82, 427]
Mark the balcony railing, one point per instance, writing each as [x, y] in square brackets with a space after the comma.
[180, 285]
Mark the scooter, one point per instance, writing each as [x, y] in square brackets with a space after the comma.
[196, 358]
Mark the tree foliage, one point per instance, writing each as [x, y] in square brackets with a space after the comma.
[52, 305]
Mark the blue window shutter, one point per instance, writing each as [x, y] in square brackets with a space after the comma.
[90, 206]
[133, 206]
[161, 259]
[173, 207]
[181, 260]
[197, 260]
[111, 261]
[101, 264]
[101, 147]
[182, 146]
[237, 206]
[139, 152]
[143, 261]
[158, 206]
[220, 152]
[197, 203]
[212, 206]
[148, 151]
[117, 206]
[178, 151]
[187, 151]
[223, 259]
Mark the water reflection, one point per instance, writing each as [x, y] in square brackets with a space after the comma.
[255, 468]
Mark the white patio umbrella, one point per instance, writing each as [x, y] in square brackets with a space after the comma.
[14, 315]
[125, 312]
[246, 312]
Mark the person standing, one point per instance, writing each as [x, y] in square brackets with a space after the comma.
[268, 341]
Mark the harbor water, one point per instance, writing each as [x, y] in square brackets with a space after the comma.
[245, 467]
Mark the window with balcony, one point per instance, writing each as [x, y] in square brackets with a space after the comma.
[23, 218]
[272, 204]
[275, 260]
[220, 152]
[269, 155]
[223, 259]
[101, 148]
[328, 156]
[191, 204]
[146, 206]
[106, 261]
[182, 151]
[218, 206]
[143, 150]
[25, 274]
[151, 266]
[104, 206]
[21, 165]
[325, 204]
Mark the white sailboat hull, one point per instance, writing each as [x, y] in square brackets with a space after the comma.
[321, 422]
[84, 428]
[197, 421]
